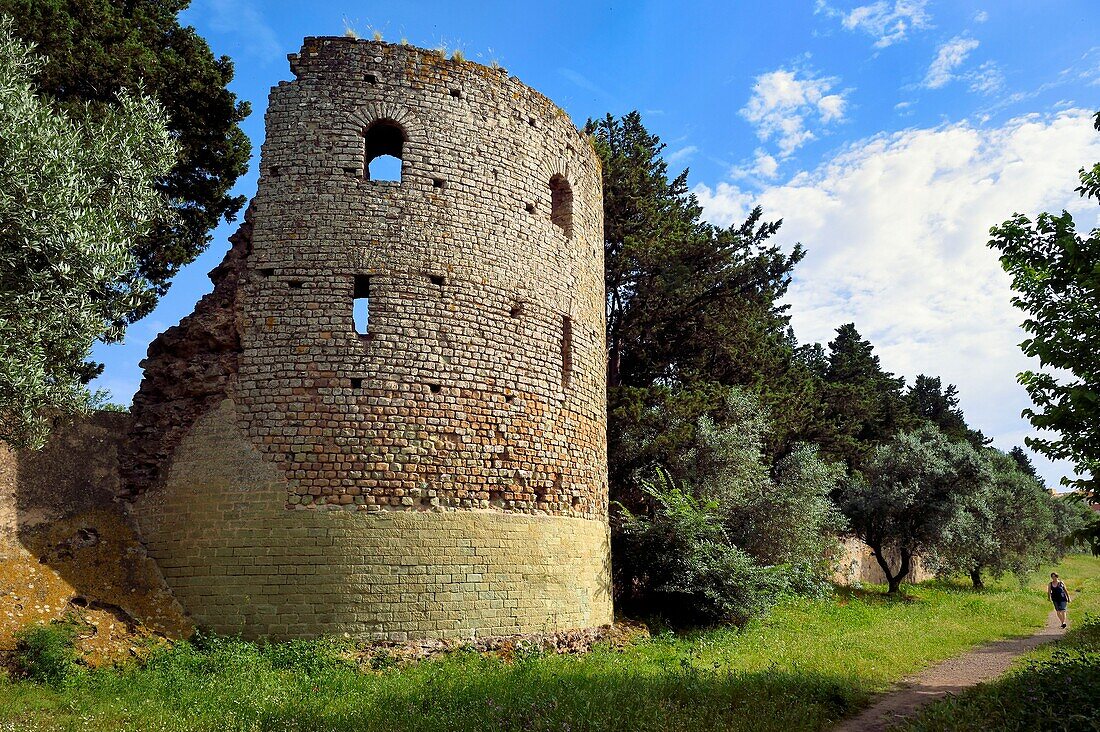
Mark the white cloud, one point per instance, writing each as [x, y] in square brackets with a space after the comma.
[682, 154]
[946, 67]
[782, 105]
[949, 57]
[981, 16]
[896, 230]
[765, 165]
[886, 23]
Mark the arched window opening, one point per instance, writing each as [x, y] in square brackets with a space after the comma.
[561, 204]
[385, 145]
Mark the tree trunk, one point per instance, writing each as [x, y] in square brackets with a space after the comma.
[903, 570]
[894, 581]
[976, 578]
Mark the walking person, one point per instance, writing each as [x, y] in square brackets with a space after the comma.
[1059, 595]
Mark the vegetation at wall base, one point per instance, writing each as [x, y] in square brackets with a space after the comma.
[814, 661]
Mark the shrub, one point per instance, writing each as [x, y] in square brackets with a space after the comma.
[676, 560]
[47, 653]
[779, 515]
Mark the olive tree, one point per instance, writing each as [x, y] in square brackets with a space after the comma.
[911, 489]
[76, 193]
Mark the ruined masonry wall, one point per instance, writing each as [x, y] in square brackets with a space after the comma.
[443, 473]
[481, 381]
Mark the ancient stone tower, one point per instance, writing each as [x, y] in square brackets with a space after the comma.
[388, 419]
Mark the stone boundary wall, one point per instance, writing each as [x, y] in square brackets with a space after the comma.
[241, 563]
[857, 565]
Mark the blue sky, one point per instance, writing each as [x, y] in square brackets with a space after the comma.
[888, 135]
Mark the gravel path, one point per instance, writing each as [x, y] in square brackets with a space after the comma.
[949, 677]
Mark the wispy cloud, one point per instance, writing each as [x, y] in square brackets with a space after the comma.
[981, 16]
[949, 56]
[949, 66]
[683, 153]
[243, 21]
[785, 102]
[886, 23]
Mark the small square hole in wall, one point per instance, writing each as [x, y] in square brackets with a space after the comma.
[517, 309]
[531, 121]
[371, 79]
[434, 388]
[276, 171]
[437, 280]
[356, 383]
[267, 271]
[530, 208]
[438, 183]
[456, 93]
[509, 398]
[296, 284]
[352, 172]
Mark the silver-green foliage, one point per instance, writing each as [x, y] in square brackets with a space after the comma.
[678, 560]
[912, 489]
[74, 196]
[1008, 525]
[780, 514]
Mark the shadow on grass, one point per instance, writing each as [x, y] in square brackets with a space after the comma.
[606, 691]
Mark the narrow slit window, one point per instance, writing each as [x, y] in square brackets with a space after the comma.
[566, 351]
[385, 147]
[360, 307]
[561, 204]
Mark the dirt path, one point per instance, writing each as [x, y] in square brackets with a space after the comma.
[949, 677]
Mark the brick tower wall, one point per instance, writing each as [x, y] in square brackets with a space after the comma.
[440, 471]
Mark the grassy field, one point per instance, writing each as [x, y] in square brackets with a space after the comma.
[1056, 687]
[806, 665]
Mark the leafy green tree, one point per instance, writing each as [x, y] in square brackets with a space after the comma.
[1056, 275]
[911, 488]
[1007, 526]
[691, 308]
[928, 399]
[677, 560]
[864, 405]
[95, 49]
[76, 191]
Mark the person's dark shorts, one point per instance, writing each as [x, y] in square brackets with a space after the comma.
[1060, 606]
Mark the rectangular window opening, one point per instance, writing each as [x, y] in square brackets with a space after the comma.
[360, 307]
[566, 351]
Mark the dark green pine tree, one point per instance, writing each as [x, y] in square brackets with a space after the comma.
[1023, 461]
[928, 399]
[864, 405]
[94, 49]
[691, 307]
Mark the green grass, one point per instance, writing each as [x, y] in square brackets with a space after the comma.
[806, 665]
[1056, 687]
